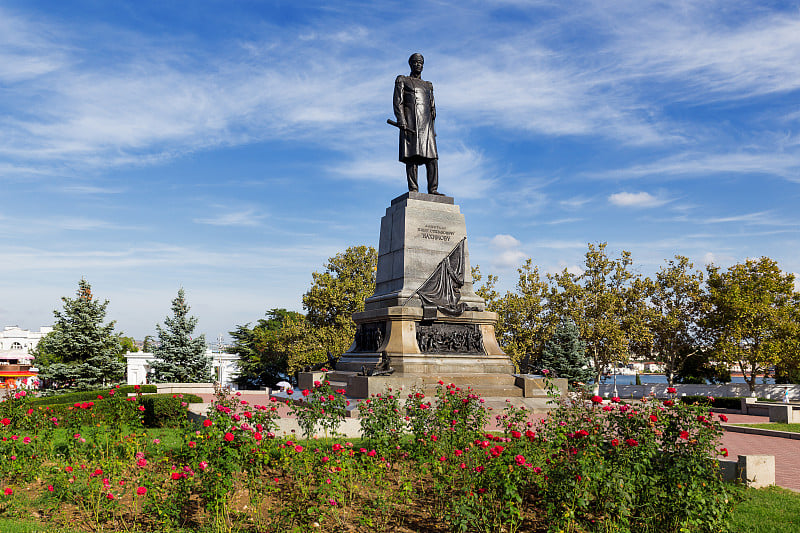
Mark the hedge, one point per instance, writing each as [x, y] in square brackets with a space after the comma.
[160, 410]
[165, 410]
[720, 403]
[89, 395]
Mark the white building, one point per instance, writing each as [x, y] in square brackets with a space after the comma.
[14, 338]
[16, 362]
[223, 365]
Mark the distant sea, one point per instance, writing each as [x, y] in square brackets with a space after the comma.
[661, 378]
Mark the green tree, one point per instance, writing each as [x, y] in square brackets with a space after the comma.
[335, 294]
[752, 316]
[565, 354]
[81, 351]
[179, 358]
[263, 357]
[127, 344]
[677, 303]
[486, 290]
[524, 321]
[148, 345]
[697, 368]
[607, 303]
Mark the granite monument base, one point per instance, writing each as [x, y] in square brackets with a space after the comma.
[403, 342]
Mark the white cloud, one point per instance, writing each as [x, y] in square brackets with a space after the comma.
[506, 252]
[558, 221]
[758, 57]
[636, 199]
[504, 242]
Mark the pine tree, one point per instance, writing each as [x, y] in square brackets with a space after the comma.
[565, 354]
[179, 358]
[81, 351]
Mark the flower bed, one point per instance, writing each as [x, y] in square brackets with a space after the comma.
[423, 464]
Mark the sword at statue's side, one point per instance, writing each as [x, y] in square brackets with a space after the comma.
[396, 125]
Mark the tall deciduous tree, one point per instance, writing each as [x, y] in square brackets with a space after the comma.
[81, 351]
[335, 294]
[263, 355]
[524, 321]
[179, 358]
[751, 320]
[677, 304]
[606, 302]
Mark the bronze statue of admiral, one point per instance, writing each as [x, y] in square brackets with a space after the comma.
[415, 111]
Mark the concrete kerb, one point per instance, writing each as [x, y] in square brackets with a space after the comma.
[756, 471]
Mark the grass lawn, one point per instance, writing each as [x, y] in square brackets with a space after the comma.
[770, 510]
[794, 428]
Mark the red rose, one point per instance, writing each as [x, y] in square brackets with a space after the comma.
[229, 437]
[306, 392]
[724, 452]
[141, 491]
[597, 399]
[207, 423]
[723, 418]
[631, 442]
[614, 442]
[685, 435]
[672, 390]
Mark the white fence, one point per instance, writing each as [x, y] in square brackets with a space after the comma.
[774, 392]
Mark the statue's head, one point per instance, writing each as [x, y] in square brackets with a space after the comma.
[416, 61]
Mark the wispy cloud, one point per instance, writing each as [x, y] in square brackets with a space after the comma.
[243, 217]
[686, 165]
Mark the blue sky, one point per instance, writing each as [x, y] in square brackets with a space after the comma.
[231, 147]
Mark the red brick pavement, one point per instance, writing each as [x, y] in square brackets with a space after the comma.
[786, 452]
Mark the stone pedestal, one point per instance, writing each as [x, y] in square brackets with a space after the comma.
[417, 233]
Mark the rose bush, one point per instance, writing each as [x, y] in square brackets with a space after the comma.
[590, 465]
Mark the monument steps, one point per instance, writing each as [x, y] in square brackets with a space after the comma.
[485, 385]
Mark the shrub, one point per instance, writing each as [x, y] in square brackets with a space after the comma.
[321, 406]
[167, 410]
[381, 421]
[719, 403]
